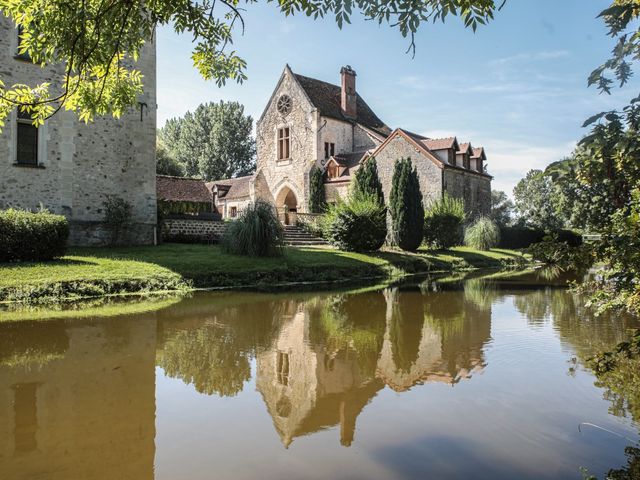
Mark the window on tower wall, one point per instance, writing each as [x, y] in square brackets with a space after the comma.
[329, 150]
[18, 55]
[27, 142]
[284, 143]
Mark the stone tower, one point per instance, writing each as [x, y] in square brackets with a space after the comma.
[70, 167]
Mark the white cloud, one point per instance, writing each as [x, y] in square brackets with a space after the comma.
[509, 161]
[528, 57]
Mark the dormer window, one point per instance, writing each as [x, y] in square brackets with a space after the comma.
[284, 143]
[329, 150]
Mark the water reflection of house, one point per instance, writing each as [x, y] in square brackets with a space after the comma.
[307, 388]
[310, 384]
[77, 402]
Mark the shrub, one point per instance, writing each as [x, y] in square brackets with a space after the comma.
[117, 214]
[569, 237]
[257, 232]
[367, 182]
[483, 234]
[317, 202]
[519, 236]
[357, 225]
[443, 222]
[405, 205]
[27, 236]
[553, 251]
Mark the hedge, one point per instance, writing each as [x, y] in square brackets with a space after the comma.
[523, 237]
[28, 236]
[519, 237]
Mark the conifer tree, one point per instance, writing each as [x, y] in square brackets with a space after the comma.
[405, 206]
[367, 181]
[317, 202]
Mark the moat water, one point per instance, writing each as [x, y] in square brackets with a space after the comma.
[432, 379]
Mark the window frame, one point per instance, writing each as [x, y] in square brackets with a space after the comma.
[329, 150]
[17, 55]
[233, 212]
[283, 141]
[22, 121]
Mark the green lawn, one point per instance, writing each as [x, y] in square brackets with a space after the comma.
[90, 272]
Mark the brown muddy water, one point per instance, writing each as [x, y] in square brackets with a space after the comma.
[429, 380]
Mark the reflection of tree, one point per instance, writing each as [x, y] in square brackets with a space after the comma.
[464, 324]
[354, 322]
[209, 359]
[32, 343]
[407, 319]
[212, 348]
[631, 471]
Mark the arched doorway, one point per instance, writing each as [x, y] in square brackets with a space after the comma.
[287, 203]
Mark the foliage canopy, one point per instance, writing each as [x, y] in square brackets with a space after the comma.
[99, 42]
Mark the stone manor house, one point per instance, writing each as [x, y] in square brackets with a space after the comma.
[309, 123]
[71, 168]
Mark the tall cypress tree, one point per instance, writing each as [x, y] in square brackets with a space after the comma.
[405, 206]
[317, 202]
[366, 181]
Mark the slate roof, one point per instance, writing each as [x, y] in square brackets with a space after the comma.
[180, 189]
[326, 98]
[233, 187]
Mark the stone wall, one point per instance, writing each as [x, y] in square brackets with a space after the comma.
[81, 164]
[192, 228]
[429, 174]
[473, 188]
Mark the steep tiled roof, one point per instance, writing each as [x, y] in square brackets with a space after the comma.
[180, 189]
[479, 152]
[464, 147]
[326, 98]
[440, 143]
[233, 187]
[350, 162]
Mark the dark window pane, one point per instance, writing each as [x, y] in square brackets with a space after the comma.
[27, 144]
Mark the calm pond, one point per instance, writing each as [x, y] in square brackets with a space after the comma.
[459, 379]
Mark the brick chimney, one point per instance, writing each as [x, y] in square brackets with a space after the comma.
[348, 97]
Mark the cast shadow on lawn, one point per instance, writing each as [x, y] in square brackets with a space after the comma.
[62, 262]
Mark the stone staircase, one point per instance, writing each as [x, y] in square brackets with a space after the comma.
[297, 237]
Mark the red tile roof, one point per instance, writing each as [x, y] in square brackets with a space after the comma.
[233, 187]
[440, 143]
[180, 189]
[464, 147]
[479, 152]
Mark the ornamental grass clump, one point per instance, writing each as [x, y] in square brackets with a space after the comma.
[443, 222]
[483, 234]
[358, 225]
[29, 236]
[256, 233]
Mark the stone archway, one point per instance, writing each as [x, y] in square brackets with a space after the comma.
[287, 203]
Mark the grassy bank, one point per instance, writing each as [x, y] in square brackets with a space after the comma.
[112, 271]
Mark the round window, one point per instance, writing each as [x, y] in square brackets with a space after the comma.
[284, 104]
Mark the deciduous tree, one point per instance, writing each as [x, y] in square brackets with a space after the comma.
[99, 41]
[213, 142]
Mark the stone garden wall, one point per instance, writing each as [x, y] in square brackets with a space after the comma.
[193, 229]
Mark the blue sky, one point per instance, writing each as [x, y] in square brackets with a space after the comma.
[516, 87]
